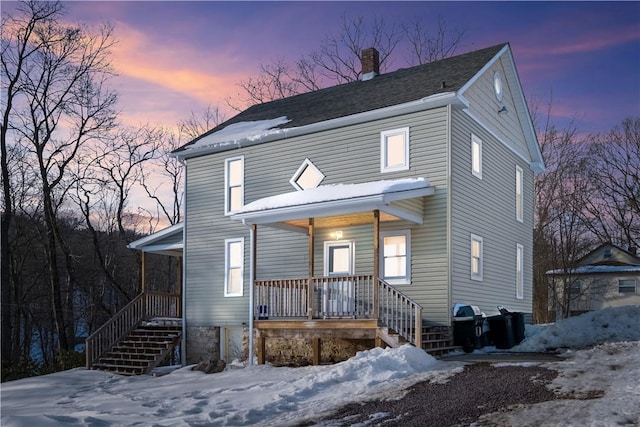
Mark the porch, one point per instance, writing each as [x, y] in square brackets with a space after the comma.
[340, 303]
[346, 307]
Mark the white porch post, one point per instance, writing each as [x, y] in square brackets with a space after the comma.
[376, 262]
[252, 263]
[311, 266]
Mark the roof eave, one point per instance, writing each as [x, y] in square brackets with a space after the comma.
[430, 102]
[337, 207]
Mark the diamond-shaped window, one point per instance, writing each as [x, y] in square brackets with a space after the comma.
[307, 176]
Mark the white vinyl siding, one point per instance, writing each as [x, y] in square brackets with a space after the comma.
[519, 271]
[394, 150]
[234, 267]
[395, 257]
[476, 257]
[519, 195]
[233, 184]
[476, 156]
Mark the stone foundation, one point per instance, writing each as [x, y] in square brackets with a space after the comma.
[203, 343]
[299, 352]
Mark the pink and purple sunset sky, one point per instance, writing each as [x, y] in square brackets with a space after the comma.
[176, 57]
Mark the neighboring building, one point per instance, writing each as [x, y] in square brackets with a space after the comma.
[608, 276]
[362, 211]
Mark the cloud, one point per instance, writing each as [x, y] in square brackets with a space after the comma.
[186, 69]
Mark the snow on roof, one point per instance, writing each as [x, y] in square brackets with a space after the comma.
[597, 269]
[236, 132]
[326, 193]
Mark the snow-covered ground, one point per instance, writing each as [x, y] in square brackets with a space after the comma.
[604, 349]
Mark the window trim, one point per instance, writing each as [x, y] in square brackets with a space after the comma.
[475, 140]
[635, 286]
[519, 271]
[383, 143]
[227, 187]
[227, 267]
[519, 194]
[303, 167]
[399, 280]
[479, 276]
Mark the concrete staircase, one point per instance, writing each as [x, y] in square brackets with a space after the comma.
[142, 349]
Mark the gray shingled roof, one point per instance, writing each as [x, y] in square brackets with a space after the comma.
[384, 90]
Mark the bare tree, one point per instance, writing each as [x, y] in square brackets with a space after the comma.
[561, 234]
[614, 172]
[338, 58]
[425, 47]
[59, 103]
[17, 48]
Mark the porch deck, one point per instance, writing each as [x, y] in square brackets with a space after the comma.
[347, 307]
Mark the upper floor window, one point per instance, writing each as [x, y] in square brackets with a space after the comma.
[394, 150]
[307, 176]
[477, 256]
[476, 156]
[234, 267]
[396, 257]
[233, 184]
[519, 197]
[519, 271]
[627, 286]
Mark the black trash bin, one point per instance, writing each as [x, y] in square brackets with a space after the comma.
[468, 324]
[501, 331]
[517, 321]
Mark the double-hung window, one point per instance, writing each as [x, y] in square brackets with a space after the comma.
[519, 198]
[233, 184]
[476, 257]
[627, 286]
[234, 267]
[395, 255]
[394, 150]
[476, 156]
[519, 271]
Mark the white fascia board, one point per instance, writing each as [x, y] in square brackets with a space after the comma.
[427, 103]
[174, 249]
[319, 209]
[337, 207]
[408, 194]
[138, 244]
[537, 162]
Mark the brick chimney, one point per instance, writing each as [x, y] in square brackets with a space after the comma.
[370, 63]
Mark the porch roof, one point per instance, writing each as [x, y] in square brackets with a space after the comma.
[168, 241]
[337, 200]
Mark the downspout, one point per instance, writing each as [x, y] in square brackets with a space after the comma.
[251, 284]
[183, 340]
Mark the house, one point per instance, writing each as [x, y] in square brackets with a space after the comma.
[359, 214]
[608, 276]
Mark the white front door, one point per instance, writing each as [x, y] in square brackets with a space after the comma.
[338, 296]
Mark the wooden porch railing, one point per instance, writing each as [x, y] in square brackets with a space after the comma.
[340, 296]
[336, 296]
[400, 313]
[144, 306]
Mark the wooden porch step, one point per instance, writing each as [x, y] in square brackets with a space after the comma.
[136, 350]
[441, 351]
[120, 369]
[125, 361]
[133, 355]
